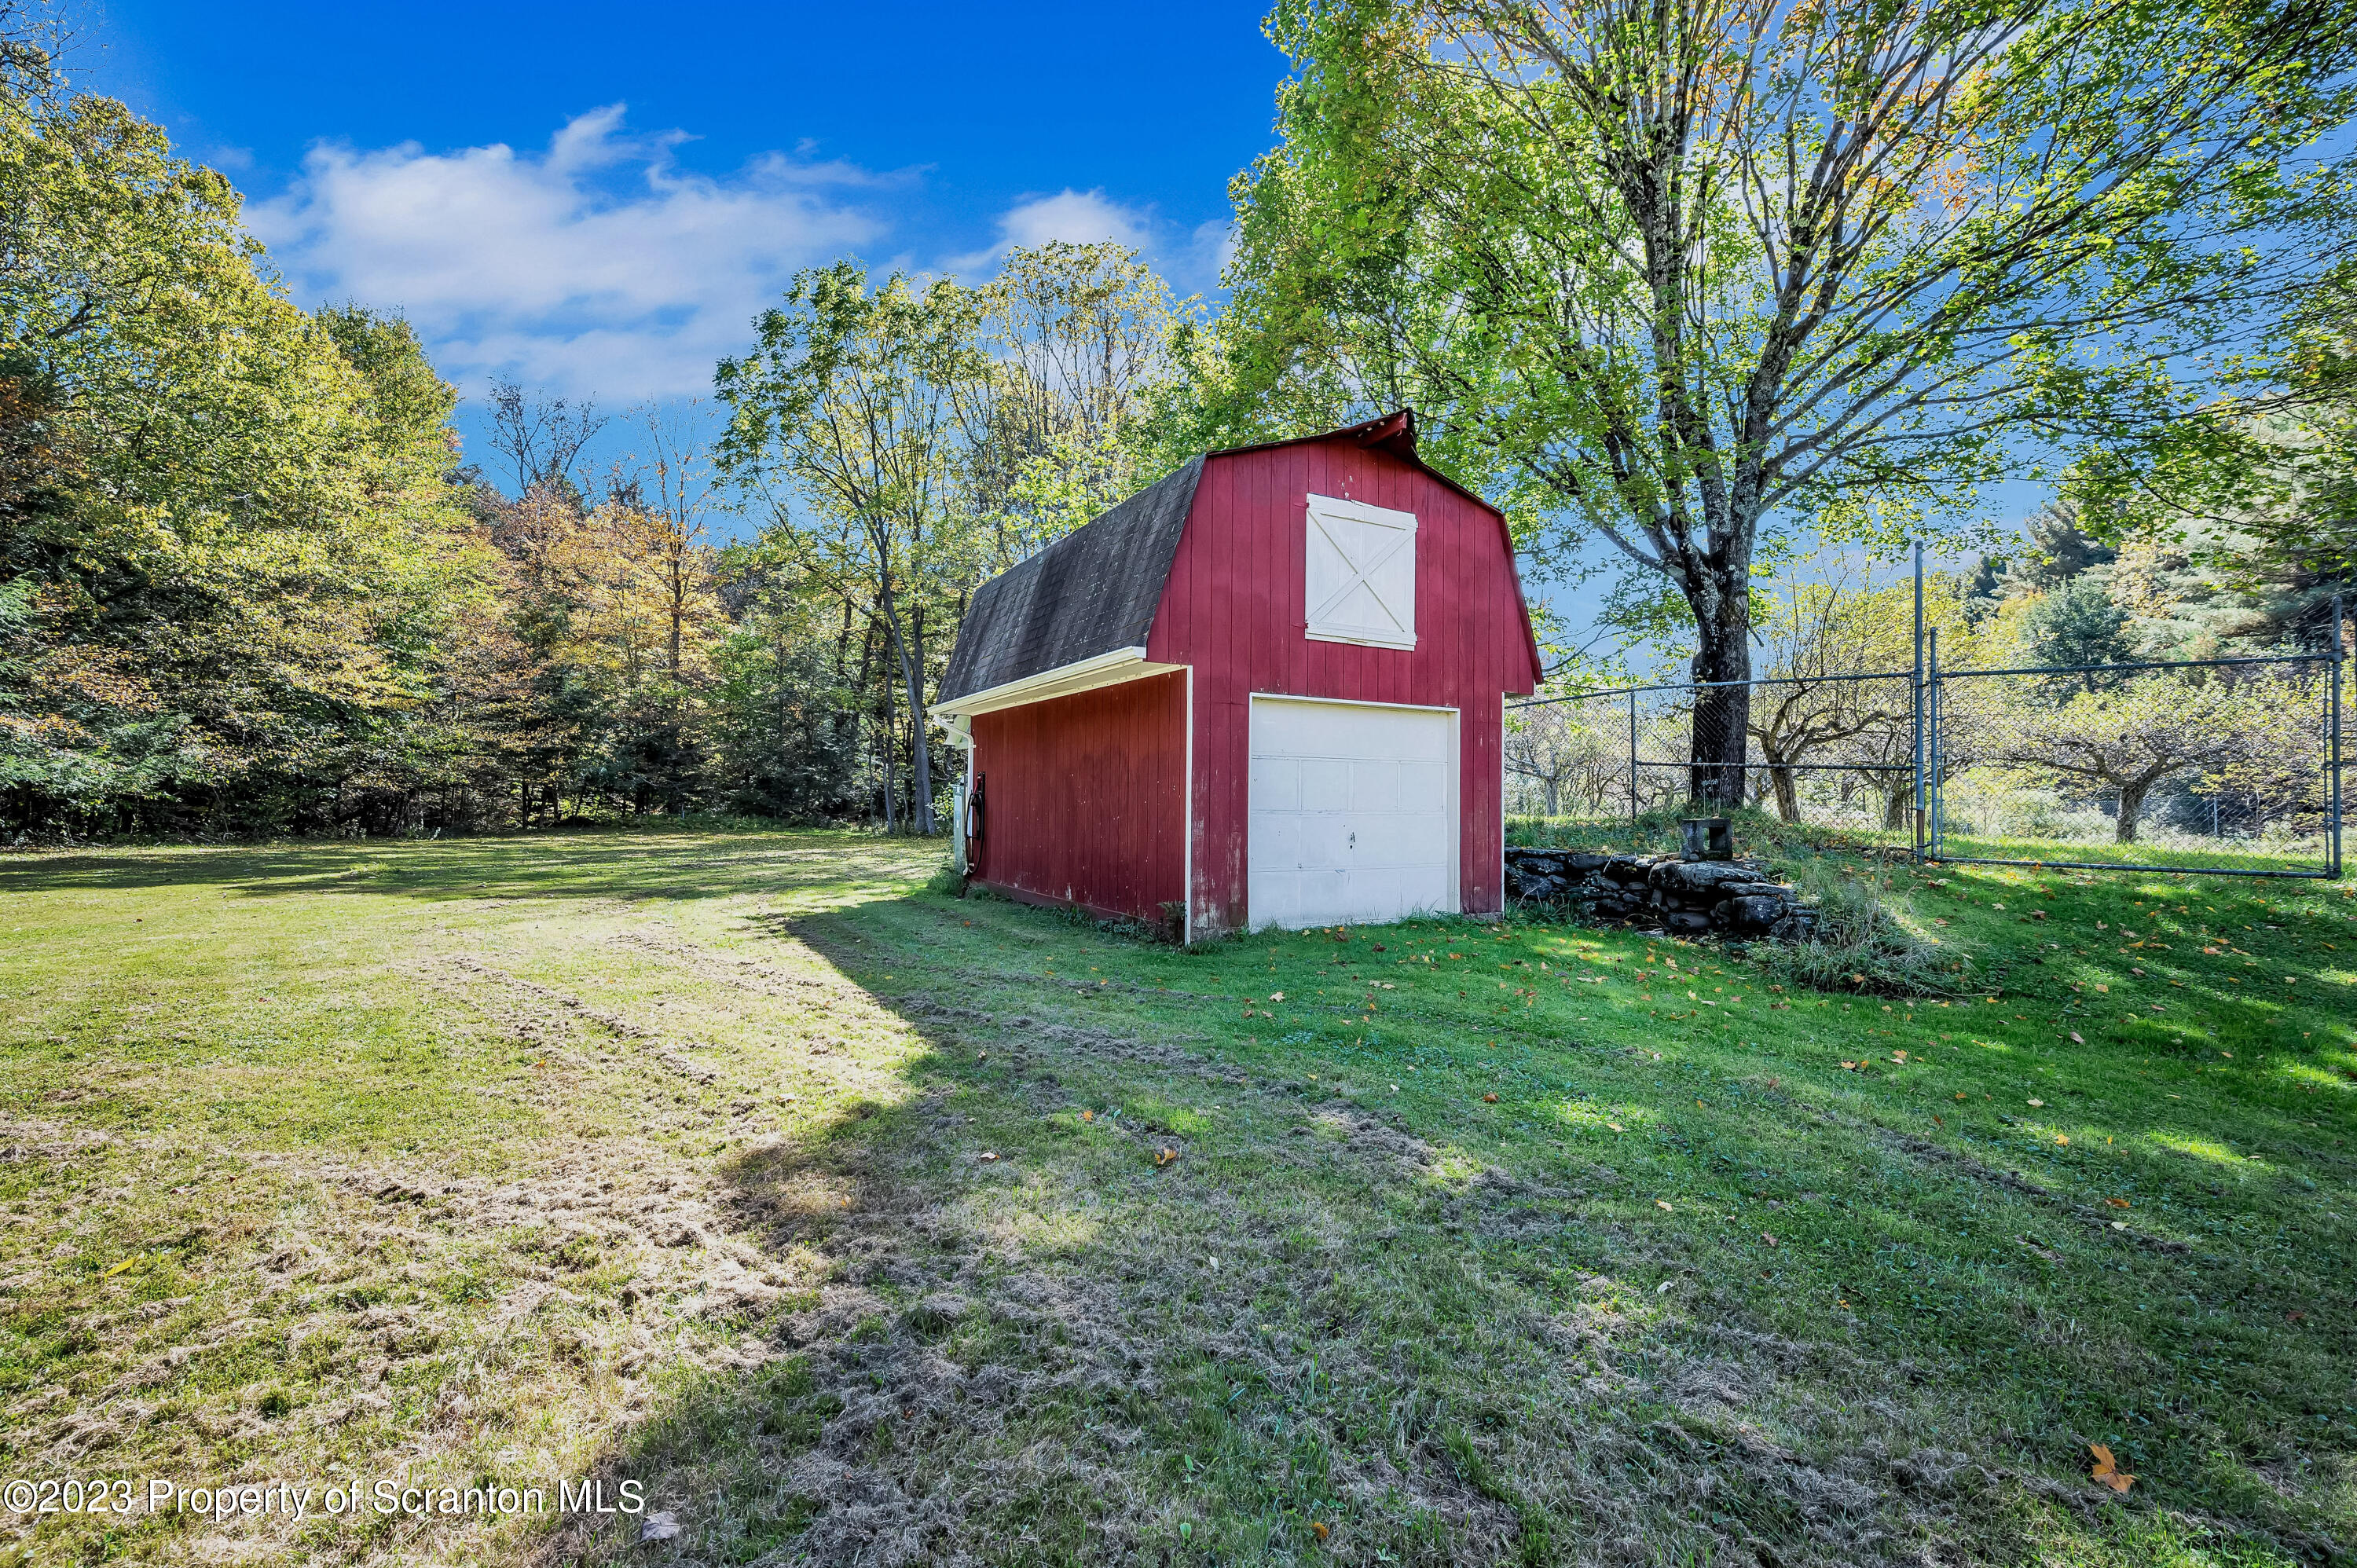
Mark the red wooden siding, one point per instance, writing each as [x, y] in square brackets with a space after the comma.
[1084, 798]
[1234, 611]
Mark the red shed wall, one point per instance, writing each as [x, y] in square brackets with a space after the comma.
[1084, 798]
[1233, 611]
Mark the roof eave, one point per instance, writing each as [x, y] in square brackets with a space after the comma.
[1109, 669]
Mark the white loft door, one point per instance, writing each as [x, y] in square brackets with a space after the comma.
[1353, 812]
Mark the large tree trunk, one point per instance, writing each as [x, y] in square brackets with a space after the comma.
[1722, 715]
[913, 679]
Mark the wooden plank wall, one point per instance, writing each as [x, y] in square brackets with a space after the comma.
[1233, 611]
[1084, 798]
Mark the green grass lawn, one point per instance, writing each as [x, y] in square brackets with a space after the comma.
[854, 1222]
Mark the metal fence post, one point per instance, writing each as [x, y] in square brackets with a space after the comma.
[1918, 695]
[2332, 739]
[1633, 761]
[1932, 732]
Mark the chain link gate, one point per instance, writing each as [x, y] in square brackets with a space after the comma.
[2218, 766]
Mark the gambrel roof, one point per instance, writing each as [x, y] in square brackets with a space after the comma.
[1093, 591]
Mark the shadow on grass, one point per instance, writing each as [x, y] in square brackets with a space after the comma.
[630, 864]
[1045, 1337]
[1094, 1290]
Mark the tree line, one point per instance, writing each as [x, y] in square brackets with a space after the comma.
[249, 583]
[1704, 282]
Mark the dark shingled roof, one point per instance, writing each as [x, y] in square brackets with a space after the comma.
[1091, 592]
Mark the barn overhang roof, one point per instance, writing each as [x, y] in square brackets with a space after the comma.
[1108, 669]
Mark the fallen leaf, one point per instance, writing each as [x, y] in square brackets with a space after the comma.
[1960, 1097]
[1849, 1067]
[1164, 1156]
[1616, 1126]
[2038, 1102]
[2106, 1471]
[988, 1156]
[2118, 1202]
[2061, 1139]
[658, 1527]
[1316, 1528]
[1489, 1100]
[1769, 1240]
[1664, 1204]
[2294, 1317]
[126, 1262]
[2075, 1039]
[1276, 997]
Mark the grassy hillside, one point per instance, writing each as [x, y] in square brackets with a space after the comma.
[854, 1221]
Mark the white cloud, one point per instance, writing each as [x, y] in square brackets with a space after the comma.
[1190, 261]
[596, 267]
[1077, 217]
[1209, 250]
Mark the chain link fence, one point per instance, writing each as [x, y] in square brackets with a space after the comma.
[2225, 764]
[2229, 766]
[1835, 750]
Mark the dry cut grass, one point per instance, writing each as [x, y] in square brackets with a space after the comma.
[857, 1224]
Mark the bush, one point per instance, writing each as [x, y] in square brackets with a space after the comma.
[1859, 945]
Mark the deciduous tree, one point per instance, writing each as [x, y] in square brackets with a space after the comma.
[1669, 271]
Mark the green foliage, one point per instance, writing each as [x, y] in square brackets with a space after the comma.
[2078, 624]
[1670, 278]
[2260, 490]
[229, 523]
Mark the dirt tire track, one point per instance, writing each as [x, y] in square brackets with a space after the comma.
[544, 1028]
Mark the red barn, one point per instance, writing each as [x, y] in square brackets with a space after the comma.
[1268, 688]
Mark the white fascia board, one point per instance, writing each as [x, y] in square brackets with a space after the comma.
[1109, 669]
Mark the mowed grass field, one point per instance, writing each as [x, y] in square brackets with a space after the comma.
[858, 1223]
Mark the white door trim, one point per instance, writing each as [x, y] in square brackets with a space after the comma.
[1186, 822]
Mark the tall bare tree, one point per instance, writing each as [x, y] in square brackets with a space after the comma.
[844, 426]
[540, 436]
[1077, 336]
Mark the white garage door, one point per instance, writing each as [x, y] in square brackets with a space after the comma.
[1353, 812]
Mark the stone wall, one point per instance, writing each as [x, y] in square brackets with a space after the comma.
[1734, 898]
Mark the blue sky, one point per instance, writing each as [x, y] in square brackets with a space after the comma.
[596, 199]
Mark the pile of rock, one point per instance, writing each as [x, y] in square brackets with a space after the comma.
[1733, 896]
